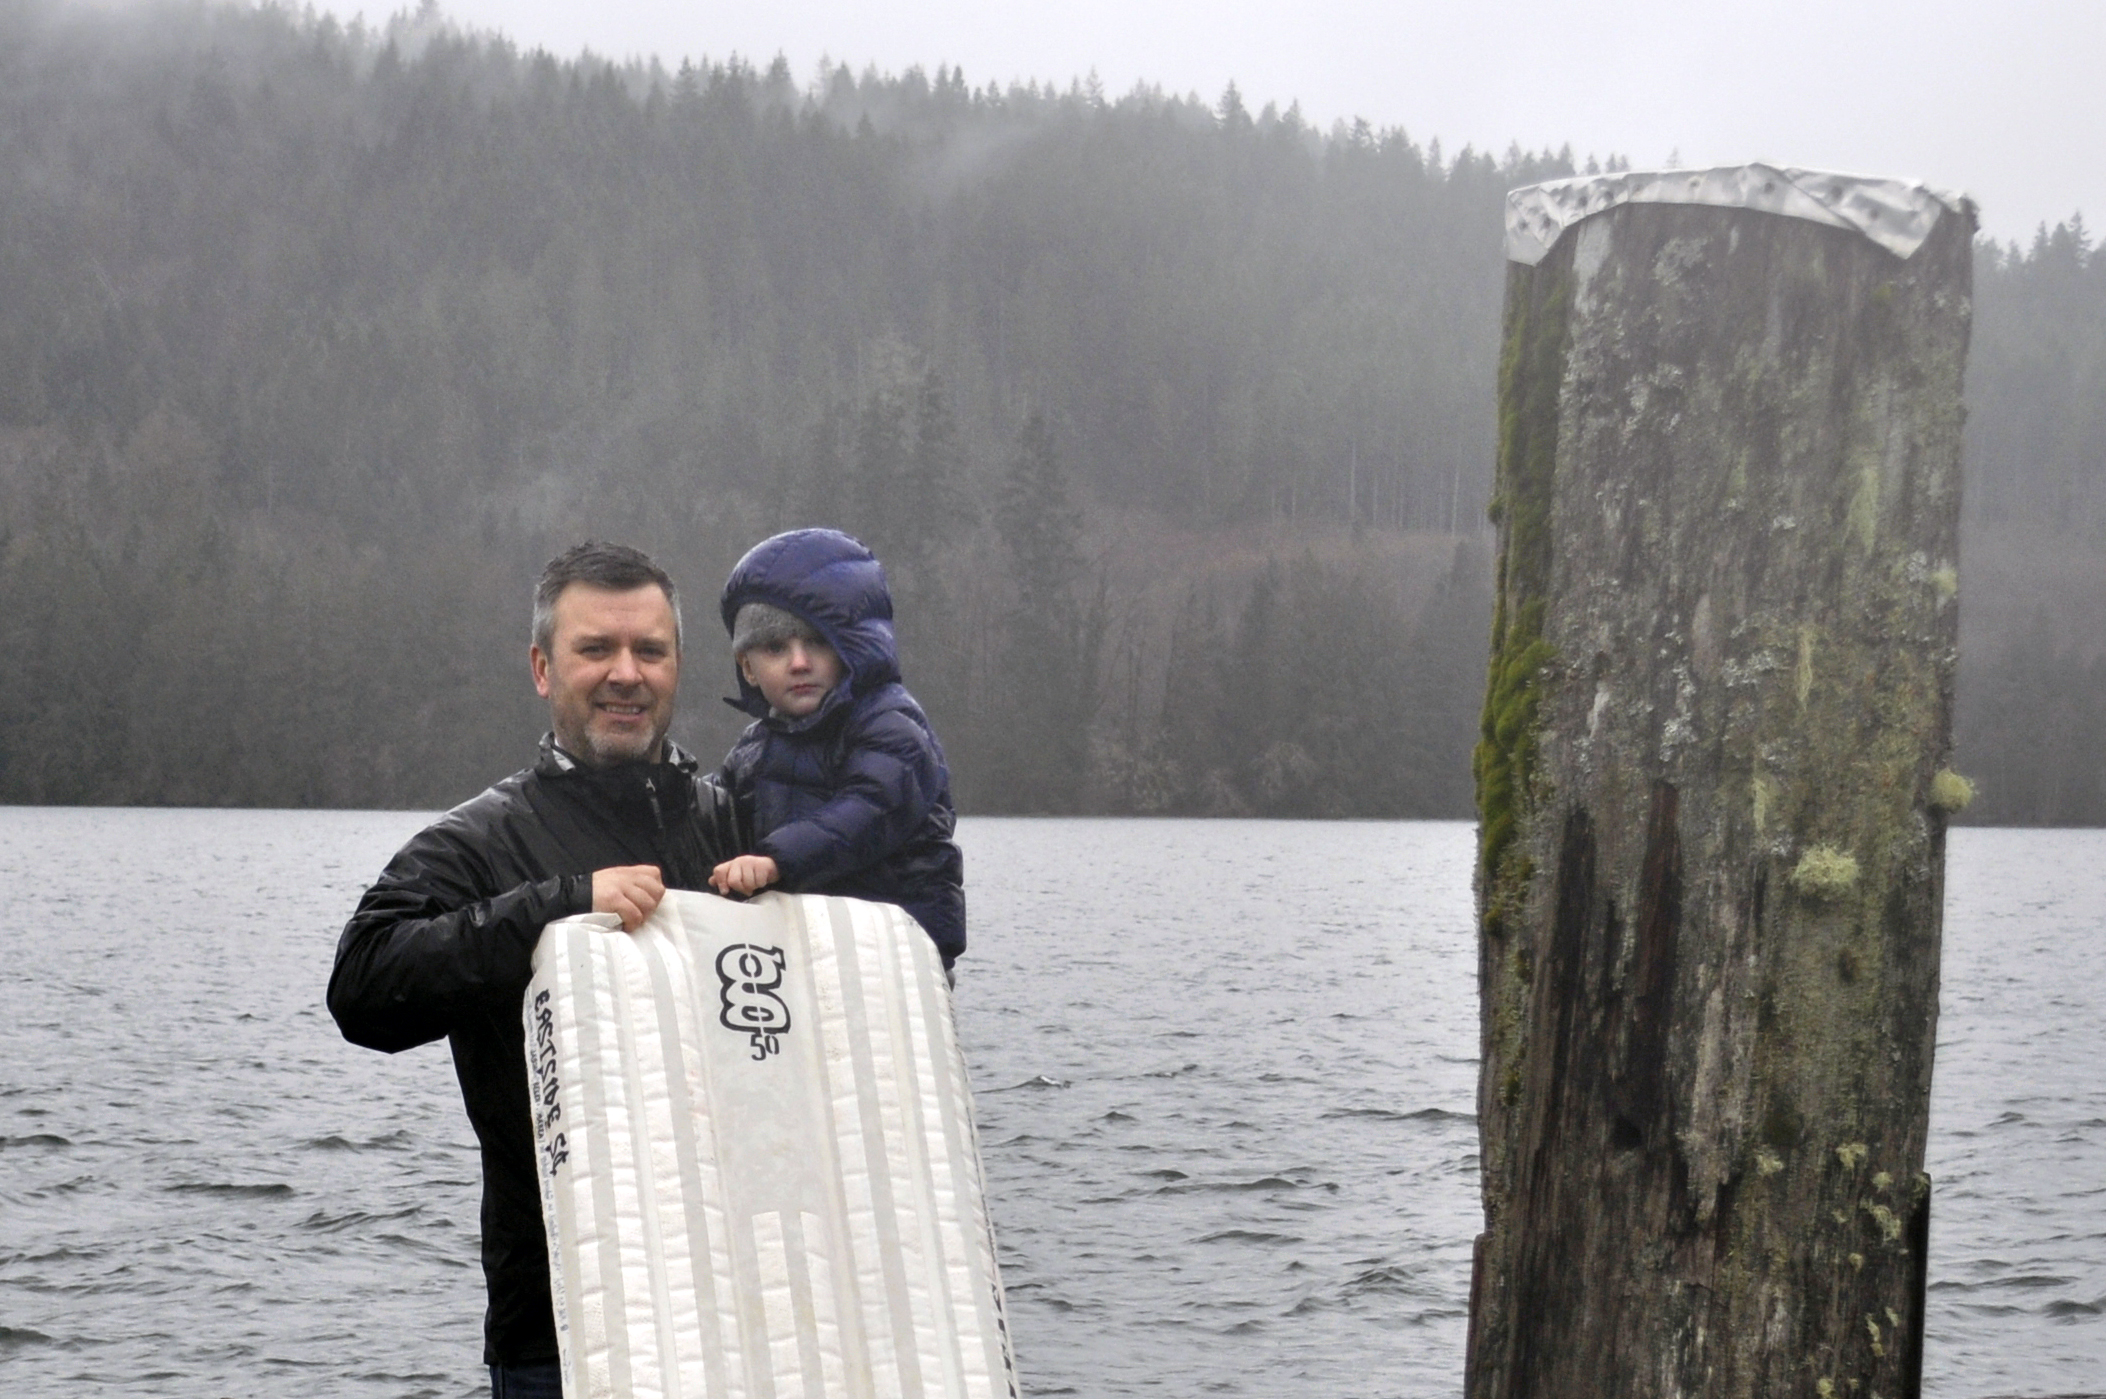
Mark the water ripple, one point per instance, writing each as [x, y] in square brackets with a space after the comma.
[1229, 1128]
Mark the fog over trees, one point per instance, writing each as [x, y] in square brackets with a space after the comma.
[1172, 420]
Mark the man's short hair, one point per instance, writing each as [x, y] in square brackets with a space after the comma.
[615, 567]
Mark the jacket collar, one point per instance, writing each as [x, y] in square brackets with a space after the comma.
[553, 761]
[837, 699]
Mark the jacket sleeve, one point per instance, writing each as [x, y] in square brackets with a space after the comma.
[427, 939]
[728, 799]
[891, 778]
[726, 822]
[713, 833]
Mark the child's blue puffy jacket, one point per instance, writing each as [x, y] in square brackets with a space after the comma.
[854, 798]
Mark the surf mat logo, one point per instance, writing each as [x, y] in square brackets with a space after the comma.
[546, 1087]
[752, 975]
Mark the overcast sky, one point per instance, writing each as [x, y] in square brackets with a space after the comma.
[2000, 98]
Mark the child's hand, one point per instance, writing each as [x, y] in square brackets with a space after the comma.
[747, 874]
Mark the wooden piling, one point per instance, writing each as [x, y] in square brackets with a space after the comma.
[1713, 785]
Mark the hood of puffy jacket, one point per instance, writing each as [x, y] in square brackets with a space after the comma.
[837, 585]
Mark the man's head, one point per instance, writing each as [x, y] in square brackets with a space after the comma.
[784, 657]
[606, 652]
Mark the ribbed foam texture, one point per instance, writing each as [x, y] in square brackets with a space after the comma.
[759, 1169]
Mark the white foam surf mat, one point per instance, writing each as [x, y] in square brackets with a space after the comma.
[759, 1169]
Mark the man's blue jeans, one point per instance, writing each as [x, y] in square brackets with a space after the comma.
[541, 1380]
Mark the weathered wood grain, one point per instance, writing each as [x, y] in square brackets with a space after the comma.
[1711, 800]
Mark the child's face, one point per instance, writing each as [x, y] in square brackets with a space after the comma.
[795, 676]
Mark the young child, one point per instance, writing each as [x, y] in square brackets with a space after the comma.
[839, 778]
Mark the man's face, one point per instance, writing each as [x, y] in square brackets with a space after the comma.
[610, 674]
[794, 676]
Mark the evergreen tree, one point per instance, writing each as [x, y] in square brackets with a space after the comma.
[1051, 635]
[879, 513]
[341, 325]
[934, 507]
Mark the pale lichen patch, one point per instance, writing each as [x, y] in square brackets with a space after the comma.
[1950, 792]
[1824, 872]
[1864, 502]
[1766, 794]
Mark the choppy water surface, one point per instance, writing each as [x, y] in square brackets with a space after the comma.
[1225, 1074]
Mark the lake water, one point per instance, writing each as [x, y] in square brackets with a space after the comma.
[1224, 1069]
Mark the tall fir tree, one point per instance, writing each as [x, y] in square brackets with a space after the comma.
[1051, 638]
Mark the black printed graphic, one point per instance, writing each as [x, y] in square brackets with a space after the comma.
[751, 976]
[545, 1088]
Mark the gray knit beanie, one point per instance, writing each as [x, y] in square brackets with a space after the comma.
[764, 624]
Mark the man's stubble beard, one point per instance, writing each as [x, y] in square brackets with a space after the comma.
[594, 751]
[602, 753]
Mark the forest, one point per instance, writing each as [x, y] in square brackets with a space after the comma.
[1172, 419]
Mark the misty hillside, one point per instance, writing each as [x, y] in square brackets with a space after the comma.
[1172, 421]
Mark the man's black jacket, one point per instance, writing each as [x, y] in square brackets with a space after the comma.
[442, 945]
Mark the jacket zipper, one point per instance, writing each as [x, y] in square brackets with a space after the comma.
[651, 790]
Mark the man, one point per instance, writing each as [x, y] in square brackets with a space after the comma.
[606, 819]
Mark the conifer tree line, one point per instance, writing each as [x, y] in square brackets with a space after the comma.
[1171, 420]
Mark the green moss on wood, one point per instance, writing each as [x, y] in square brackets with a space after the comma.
[1531, 373]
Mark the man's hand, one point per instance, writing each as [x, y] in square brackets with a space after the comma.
[748, 874]
[629, 892]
